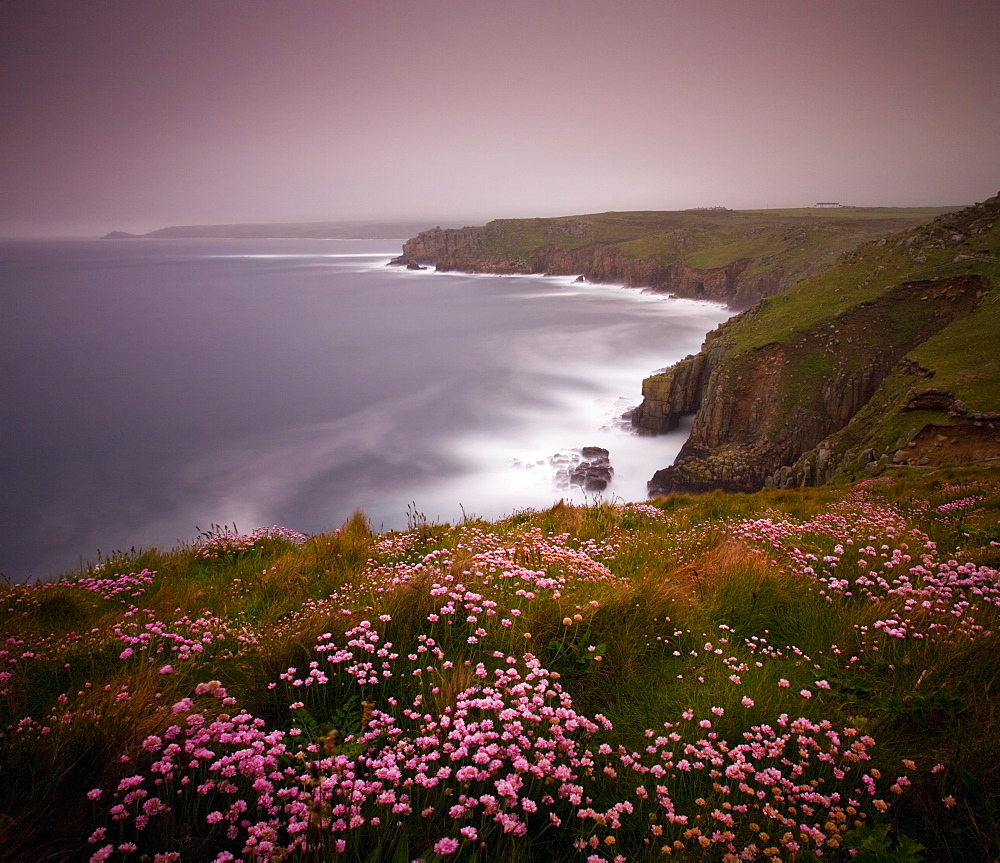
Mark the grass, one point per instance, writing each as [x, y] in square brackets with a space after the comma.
[800, 241]
[866, 273]
[771, 675]
[882, 326]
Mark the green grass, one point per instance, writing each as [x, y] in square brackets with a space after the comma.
[864, 275]
[646, 588]
[844, 319]
[800, 241]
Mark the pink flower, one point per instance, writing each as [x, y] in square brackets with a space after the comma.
[747, 701]
[167, 669]
[94, 794]
[805, 693]
[446, 846]
[783, 683]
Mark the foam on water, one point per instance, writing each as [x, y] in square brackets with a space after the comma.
[166, 384]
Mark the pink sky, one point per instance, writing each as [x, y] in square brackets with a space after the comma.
[135, 114]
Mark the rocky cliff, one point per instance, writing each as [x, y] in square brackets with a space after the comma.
[725, 256]
[834, 377]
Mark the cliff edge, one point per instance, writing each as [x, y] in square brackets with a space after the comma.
[890, 357]
[727, 256]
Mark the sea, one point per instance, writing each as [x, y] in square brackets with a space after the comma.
[151, 388]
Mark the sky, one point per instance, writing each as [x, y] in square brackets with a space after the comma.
[136, 114]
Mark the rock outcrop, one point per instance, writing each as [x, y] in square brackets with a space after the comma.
[812, 386]
[472, 250]
[588, 468]
[594, 471]
[758, 411]
[738, 257]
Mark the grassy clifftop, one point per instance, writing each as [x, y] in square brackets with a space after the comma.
[732, 256]
[712, 238]
[730, 677]
[885, 351]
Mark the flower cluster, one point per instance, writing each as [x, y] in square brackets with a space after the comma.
[228, 542]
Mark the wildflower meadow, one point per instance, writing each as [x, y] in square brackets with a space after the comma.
[791, 675]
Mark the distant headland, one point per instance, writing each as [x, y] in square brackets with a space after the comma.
[356, 230]
[734, 257]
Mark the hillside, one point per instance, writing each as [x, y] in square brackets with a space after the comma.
[280, 230]
[733, 257]
[889, 357]
[792, 675]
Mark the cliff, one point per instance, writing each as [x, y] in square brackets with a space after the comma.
[890, 357]
[731, 257]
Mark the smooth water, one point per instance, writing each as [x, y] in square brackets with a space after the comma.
[152, 387]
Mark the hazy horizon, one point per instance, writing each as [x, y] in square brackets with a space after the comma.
[126, 115]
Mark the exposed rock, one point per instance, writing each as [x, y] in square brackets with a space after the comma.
[475, 250]
[588, 468]
[413, 265]
[677, 392]
[769, 409]
[930, 400]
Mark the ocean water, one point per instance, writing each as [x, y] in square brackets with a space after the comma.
[150, 388]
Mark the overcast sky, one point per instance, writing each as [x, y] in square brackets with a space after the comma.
[135, 114]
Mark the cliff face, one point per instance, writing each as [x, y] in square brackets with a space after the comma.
[439, 246]
[840, 393]
[735, 258]
[474, 250]
[762, 412]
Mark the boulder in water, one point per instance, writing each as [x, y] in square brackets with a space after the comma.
[588, 468]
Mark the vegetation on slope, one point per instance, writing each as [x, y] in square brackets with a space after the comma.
[777, 676]
[727, 256]
[962, 243]
[707, 239]
[834, 376]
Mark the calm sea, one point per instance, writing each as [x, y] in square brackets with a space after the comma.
[150, 388]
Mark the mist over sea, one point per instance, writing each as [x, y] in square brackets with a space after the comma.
[151, 386]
